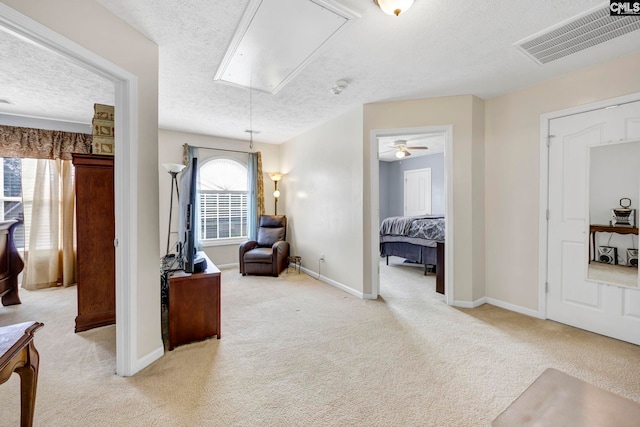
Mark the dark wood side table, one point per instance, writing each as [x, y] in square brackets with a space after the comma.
[194, 305]
[18, 354]
[595, 228]
[440, 268]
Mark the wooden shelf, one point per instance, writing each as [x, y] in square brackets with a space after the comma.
[597, 228]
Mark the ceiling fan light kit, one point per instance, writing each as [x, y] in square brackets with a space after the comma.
[402, 153]
[402, 148]
[394, 7]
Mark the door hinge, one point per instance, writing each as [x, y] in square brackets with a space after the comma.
[546, 287]
[115, 243]
[547, 214]
[549, 139]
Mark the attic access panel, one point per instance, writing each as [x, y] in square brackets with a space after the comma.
[276, 39]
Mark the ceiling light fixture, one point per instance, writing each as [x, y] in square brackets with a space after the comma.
[400, 154]
[394, 7]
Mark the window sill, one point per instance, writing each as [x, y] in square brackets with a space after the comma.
[224, 242]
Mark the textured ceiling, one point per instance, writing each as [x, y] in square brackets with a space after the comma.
[438, 48]
[40, 83]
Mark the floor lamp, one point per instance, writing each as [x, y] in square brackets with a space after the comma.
[174, 169]
[276, 193]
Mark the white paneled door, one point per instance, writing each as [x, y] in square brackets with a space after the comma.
[572, 299]
[417, 192]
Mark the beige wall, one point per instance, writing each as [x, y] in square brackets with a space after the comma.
[93, 27]
[465, 114]
[513, 165]
[323, 198]
[478, 195]
[170, 151]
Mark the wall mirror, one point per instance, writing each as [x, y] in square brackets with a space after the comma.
[614, 202]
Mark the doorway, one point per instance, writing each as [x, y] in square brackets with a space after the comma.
[446, 201]
[126, 117]
[577, 293]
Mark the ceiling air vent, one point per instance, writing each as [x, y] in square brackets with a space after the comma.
[582, 32]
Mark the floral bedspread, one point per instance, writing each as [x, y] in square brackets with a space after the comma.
[431, 228]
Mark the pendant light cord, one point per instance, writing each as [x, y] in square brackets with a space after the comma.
[251, 111]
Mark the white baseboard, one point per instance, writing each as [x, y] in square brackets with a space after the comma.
[333, 283]
[147, 360]
[513, 307]
[498, 303]
[470, 304]
[232, 265]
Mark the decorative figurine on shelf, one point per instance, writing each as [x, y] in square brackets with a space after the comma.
[623, 216]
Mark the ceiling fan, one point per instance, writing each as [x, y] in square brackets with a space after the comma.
[402, 148]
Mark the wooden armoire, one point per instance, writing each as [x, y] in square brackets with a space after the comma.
[95, 232]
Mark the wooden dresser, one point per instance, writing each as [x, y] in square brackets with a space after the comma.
[95, 236]
[194, 305]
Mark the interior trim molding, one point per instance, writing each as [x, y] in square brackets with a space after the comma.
[513, 307]
[374, 250]
[342, 287]
[543, 224]
[470, 304]
[232, 265]
[126, 181]
[151, 357]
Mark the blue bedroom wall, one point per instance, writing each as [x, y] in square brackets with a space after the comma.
[392, 188]
[384, 190]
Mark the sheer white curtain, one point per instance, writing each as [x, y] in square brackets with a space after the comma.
[49, 200]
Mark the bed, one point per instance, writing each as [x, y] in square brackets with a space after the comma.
[419, 239]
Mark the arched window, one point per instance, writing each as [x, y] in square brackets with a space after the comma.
[223, 199]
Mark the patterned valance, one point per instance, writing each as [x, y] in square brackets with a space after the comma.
[42, 144]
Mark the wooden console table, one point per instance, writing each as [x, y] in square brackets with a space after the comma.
[17, 353]
[595, 228]
[194, 305]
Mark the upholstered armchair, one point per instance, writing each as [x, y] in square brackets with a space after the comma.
[269, 254]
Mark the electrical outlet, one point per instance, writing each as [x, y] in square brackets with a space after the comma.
[322, 257]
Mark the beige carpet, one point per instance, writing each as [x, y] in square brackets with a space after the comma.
[297, 352]
[617, 274]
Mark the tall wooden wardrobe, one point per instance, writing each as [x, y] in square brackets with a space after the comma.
[95, 232]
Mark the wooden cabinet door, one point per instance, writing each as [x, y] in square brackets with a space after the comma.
[95, 236]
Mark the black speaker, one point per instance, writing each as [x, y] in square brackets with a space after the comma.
[608, 254]
[632, 258]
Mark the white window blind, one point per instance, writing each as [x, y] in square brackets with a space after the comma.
[223, 199]
[13, 204]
